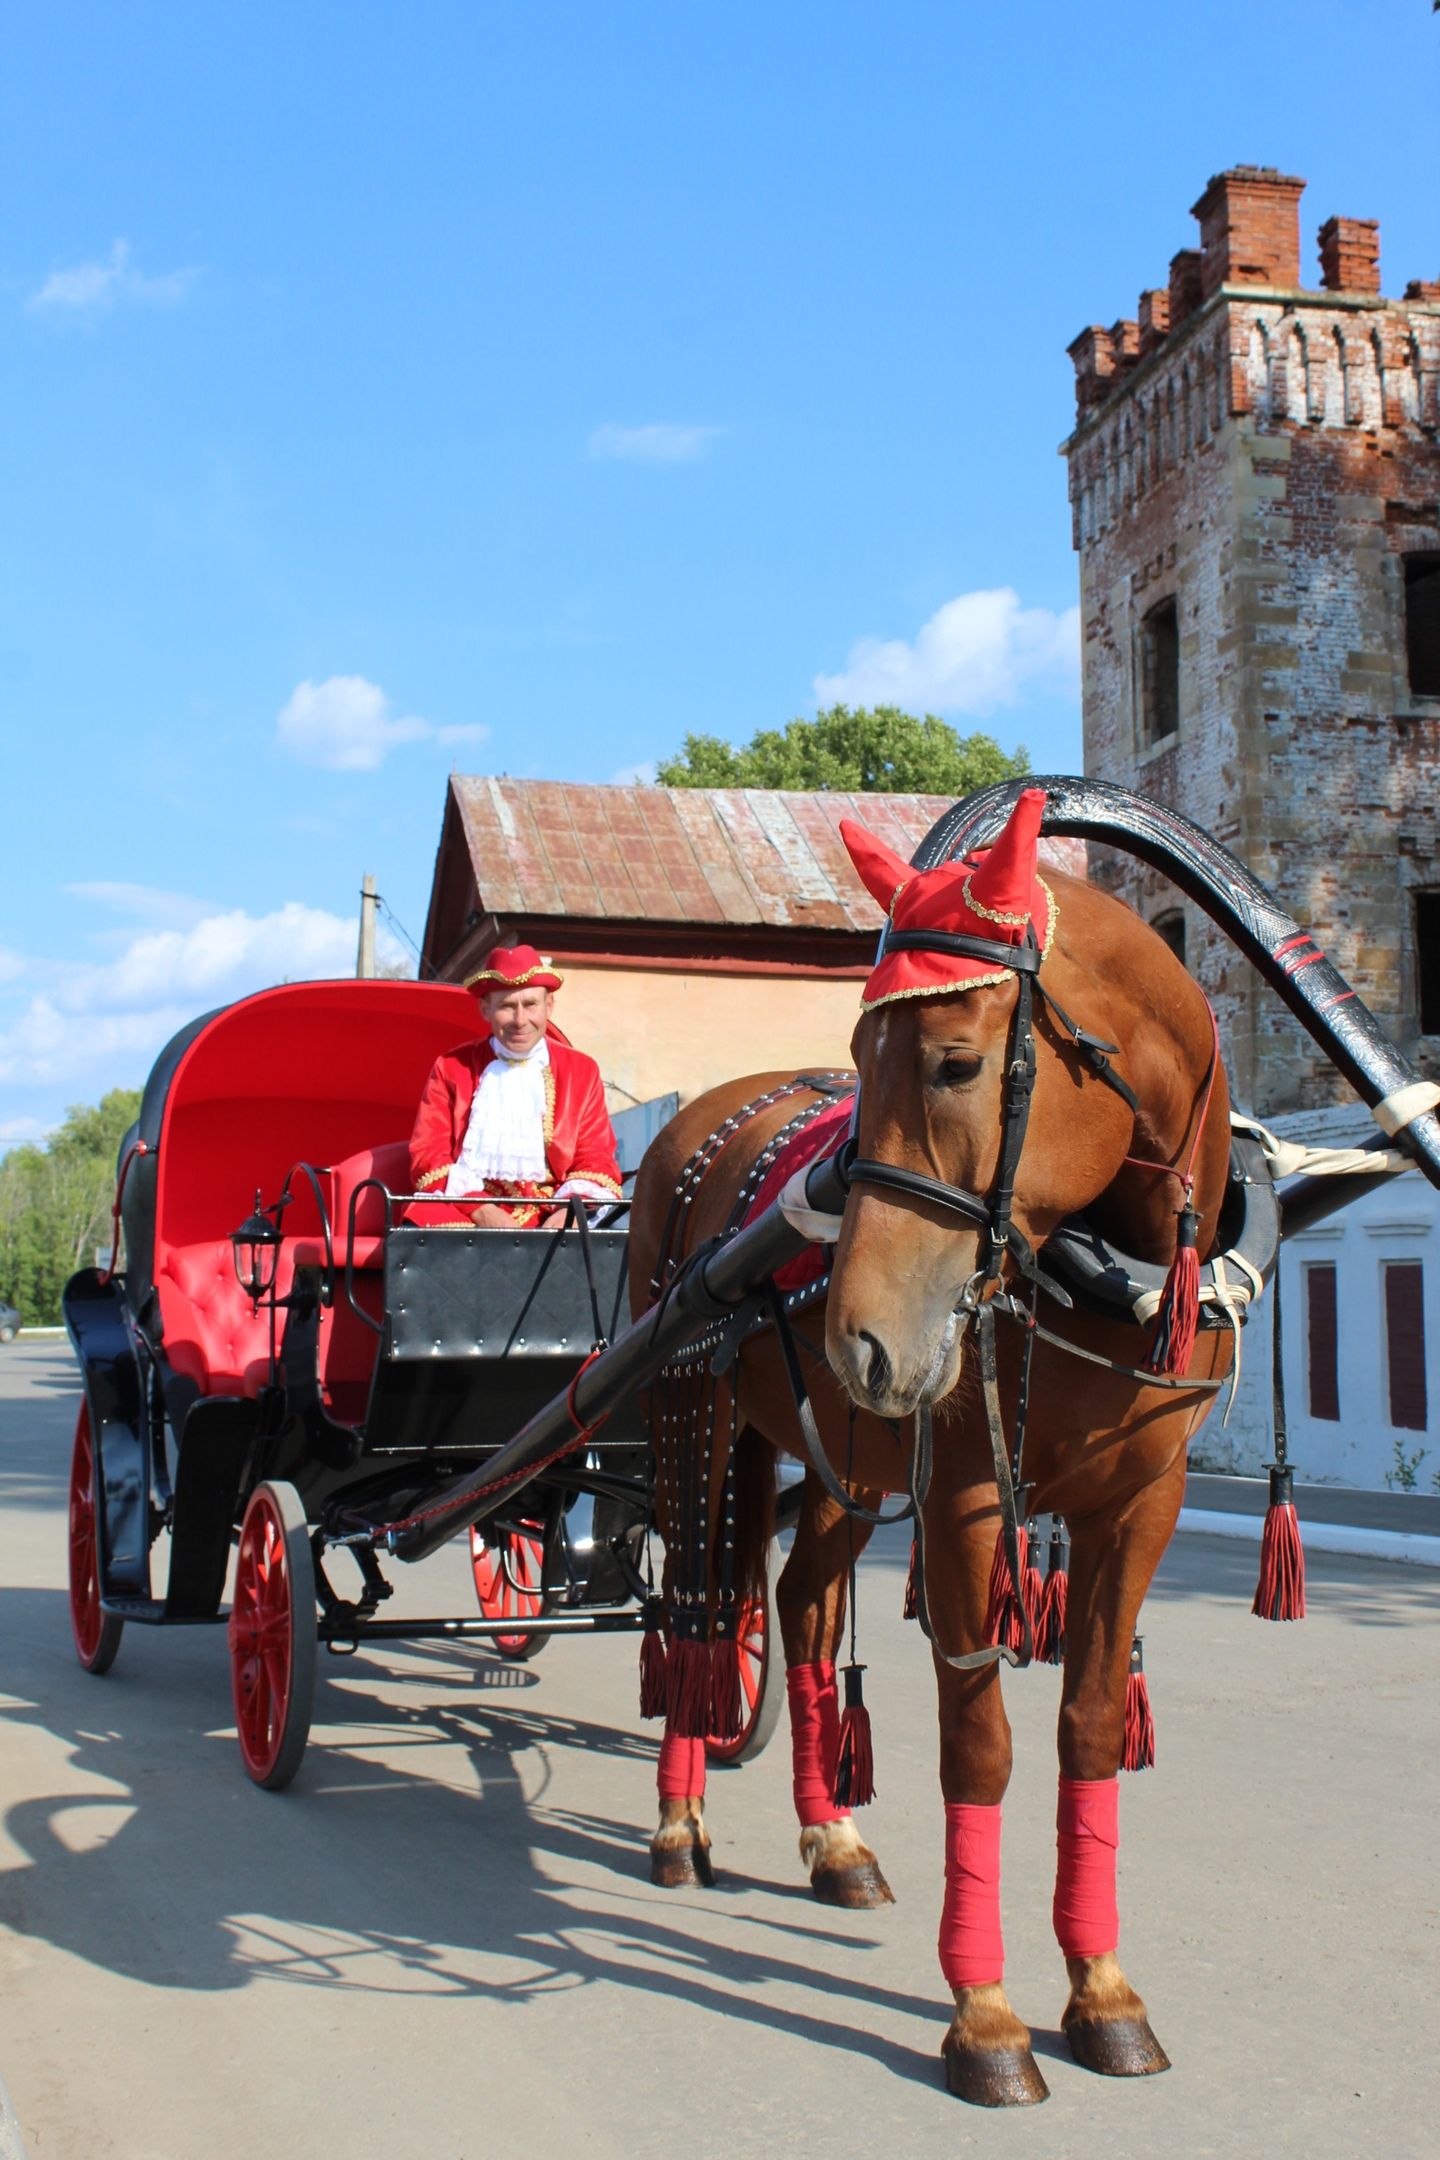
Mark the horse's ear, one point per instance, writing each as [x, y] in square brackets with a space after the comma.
[1005, 880]
[881, 870]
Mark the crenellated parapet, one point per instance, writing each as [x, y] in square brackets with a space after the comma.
[1235, 334]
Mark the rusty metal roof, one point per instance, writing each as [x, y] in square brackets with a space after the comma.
[686, 855]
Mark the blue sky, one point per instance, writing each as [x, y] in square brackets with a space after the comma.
[518, 388]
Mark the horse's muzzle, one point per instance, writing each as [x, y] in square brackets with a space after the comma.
[871, 1373]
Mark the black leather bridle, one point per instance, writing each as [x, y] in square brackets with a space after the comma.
[982, 1296]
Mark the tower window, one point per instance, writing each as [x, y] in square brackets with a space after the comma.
[1422, 623]
[1427, 960]
[1160, 671]
[1171, 927]
[1323, 1341]
[1405, 1342]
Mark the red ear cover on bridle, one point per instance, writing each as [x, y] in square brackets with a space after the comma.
[881, 870]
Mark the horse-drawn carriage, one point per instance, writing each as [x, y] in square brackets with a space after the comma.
[1033, 1215]
[287, 1372]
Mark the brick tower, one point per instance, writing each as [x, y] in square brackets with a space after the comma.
[1255, 485]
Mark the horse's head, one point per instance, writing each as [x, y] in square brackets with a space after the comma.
[938, 1036]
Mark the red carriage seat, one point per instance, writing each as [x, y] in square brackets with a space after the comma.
[212, 1334]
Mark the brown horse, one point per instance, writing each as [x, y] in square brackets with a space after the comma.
[1105, 1448]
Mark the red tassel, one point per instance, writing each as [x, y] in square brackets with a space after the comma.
[1179, 1314]
[1054, 1601]
[1139, 1722]
[1032, 1587]
[1280, 1593]
[855, 1762]
[687, 1689]
[1004, 1619]
[724, 1688]
[652, 1662]
[910, 1610]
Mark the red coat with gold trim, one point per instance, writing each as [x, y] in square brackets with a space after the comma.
[579, 1141]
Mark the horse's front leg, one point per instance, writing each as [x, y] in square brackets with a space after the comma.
[810, 1597]
[1113, 1556]
[987, 2053]
[680, 1848]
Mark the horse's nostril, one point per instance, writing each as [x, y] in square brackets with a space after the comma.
[877, 1375]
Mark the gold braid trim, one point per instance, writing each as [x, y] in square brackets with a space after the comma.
[548, 1129]
[512, 982]
[433, 1177]
[594, 1177]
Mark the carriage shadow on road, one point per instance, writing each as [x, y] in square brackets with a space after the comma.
[154, 1859]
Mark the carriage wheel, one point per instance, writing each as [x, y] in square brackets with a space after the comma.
[97, 1633]
[509, 1584]
[762, 1677]
[272, 1635]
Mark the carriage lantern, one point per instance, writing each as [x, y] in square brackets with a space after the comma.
[255, 1249]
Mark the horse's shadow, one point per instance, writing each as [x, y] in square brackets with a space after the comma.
[172, 1870]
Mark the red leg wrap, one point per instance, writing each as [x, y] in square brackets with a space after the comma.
[814, 1740]
[680, 1772]
[972, 1949]
[1087, 1825]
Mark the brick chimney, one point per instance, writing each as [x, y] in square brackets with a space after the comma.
[1249, 229]
[1185, 292]
[1423, 289]
[1350, 255]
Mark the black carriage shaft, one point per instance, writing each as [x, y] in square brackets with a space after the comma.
[1302, 976]
[714, 1284]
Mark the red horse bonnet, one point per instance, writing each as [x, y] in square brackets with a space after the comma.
[994, 894]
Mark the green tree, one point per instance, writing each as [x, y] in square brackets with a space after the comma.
[872, 749]
[55, 1203]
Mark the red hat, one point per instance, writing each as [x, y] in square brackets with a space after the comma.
[513, 967]
[994, 894]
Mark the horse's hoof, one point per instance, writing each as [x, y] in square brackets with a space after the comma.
[1116, 2047]
[856, 1888]
[681, 1867]
[994, 2077]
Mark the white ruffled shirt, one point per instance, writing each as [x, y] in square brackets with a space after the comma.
[504, 1140]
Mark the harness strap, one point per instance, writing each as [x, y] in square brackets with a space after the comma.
[815, 1446]
[1090, 1046]
[993, 1653]
[1024, 959]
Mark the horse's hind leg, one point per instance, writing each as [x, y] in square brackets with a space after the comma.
[1113, 1556]
[810, 1597]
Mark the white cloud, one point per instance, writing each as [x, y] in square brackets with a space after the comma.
[661, 443]
[91, 289]
[345, 725]
[976, 653]
[641, 775]
[101, 1025]
[12, 964]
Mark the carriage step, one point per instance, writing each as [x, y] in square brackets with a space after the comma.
[151, 1612]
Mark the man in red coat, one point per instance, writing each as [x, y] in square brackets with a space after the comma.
[512, 1124]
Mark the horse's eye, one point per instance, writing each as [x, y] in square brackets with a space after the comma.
[957, 1070]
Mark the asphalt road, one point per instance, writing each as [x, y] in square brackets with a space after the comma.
[441, 1944]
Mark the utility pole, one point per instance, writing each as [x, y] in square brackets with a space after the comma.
[365, 958]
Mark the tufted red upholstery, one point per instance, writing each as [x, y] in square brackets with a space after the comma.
[211, 1334]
